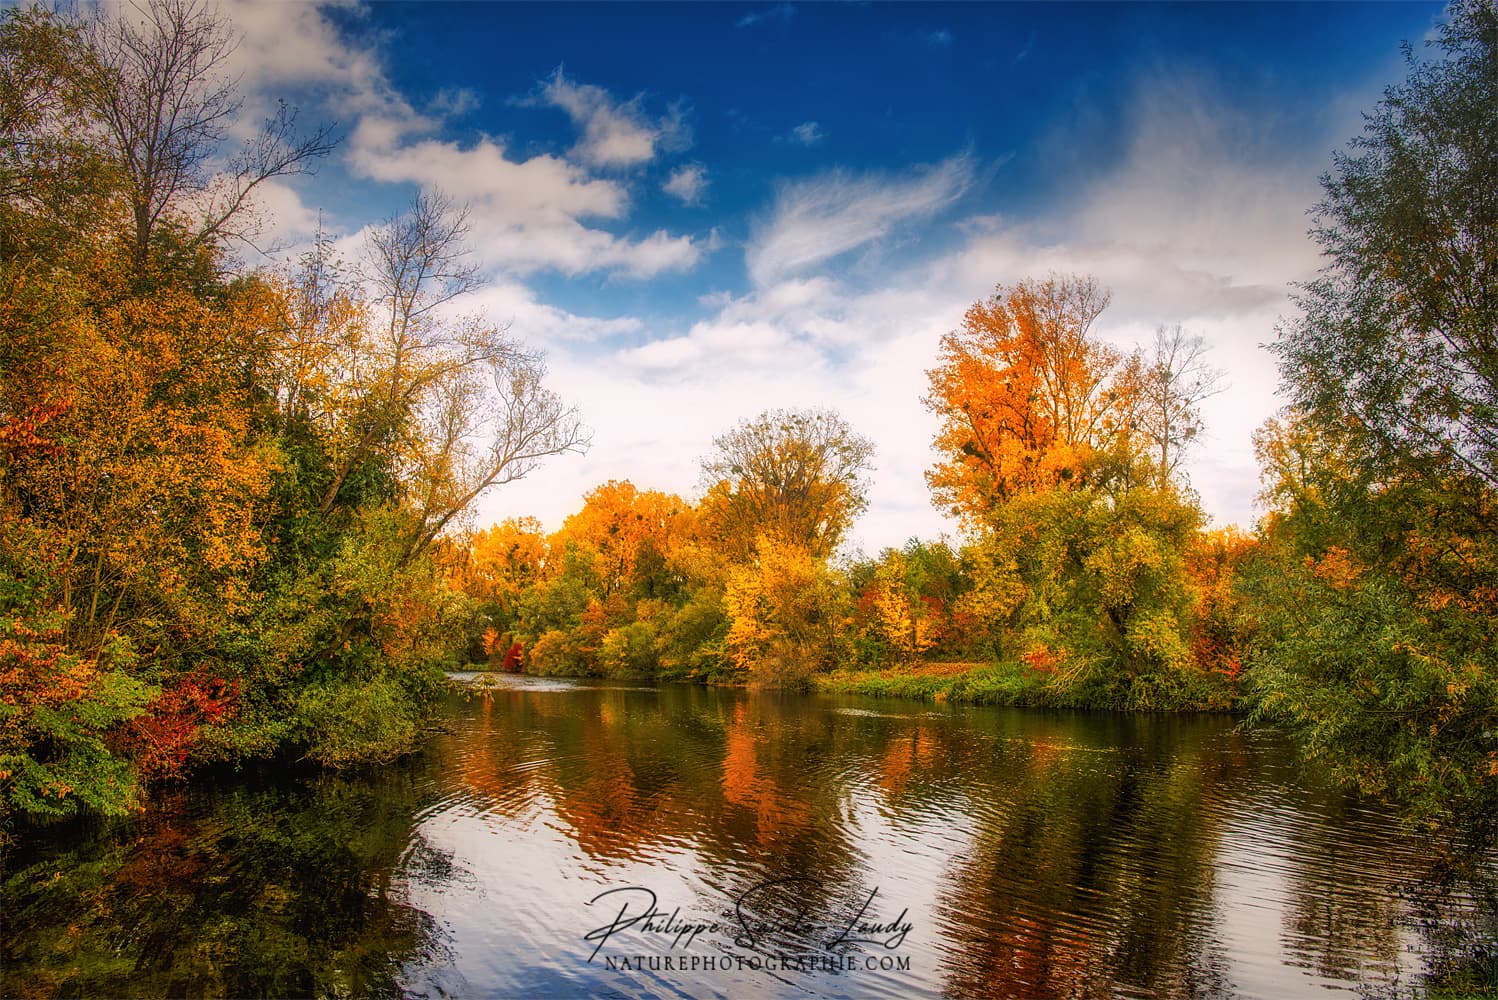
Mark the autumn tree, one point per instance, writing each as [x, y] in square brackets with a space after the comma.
[502, 561]
[630, 533]
[1377, 598]
[786, 611]
[795, 476]
[55, 182]
[226, 498]
[1024, 392]
[1058, 453]
[905, 604]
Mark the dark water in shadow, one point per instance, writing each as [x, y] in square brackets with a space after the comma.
[793, 847]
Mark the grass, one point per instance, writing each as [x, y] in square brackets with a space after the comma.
[1022, 686]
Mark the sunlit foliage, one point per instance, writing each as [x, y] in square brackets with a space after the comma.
[225, 496]
[1376, 603]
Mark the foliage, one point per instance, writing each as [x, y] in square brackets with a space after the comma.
[785, 614]
[1022, 391]
[795, 475]
[57, 714]
[1396, 340]
[1374, 602]
[905, 604]
[1061, 456]
[225, 496]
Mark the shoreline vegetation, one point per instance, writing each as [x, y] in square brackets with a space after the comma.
[1007, 685]
[233, 501]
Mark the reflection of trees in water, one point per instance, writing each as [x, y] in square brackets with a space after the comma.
[631, 771]
[1090, 869]
[1341, 906]
[250, 892]
[1454, 909]
[755, 785]
[1353, 887]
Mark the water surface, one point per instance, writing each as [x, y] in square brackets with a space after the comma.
[790, 846]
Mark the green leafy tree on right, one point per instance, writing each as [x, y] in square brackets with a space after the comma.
[1375, 594]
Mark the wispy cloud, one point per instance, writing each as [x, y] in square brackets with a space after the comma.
[807, 134]
[1024, 52]
[938, 39]
[817, 219]
[782, 12]
[689, 183]
[615, 133]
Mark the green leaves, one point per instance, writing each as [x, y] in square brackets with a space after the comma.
[1374, 598]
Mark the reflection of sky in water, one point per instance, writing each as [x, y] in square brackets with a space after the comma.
[1034, 854]
[515, 920]
[1261, 885]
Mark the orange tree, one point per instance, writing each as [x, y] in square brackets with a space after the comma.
[1079, 540]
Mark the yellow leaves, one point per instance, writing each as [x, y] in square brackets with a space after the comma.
[792, 474]
[783, 605]
[1338, 568]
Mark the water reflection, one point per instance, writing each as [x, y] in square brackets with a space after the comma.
[959, 852]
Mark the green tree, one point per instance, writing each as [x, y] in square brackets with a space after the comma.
[1377, 595]
[1397, 340]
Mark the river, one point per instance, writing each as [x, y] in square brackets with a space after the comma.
[566, 838]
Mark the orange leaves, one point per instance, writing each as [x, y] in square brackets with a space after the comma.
[1023, 392]
[502, 561]
[619, 525]
[1337, 567]
[19, 436]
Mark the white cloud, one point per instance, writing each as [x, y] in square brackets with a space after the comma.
[807, 134]
[287, 220]
[814, 220]
[511, 304]
[527, 214]
[782, 12]
[295, 46]
[614, 133]
[1201, 223]
[689, 183]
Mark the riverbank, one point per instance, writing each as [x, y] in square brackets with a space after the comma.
[1015, 685]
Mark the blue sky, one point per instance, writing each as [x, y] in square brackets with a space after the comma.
[700, 211]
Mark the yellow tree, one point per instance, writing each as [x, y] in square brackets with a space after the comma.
[793, 475]
[786, 610]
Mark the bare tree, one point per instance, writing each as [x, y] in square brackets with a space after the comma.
[1173, 383]
[452, 404]
[166, 106]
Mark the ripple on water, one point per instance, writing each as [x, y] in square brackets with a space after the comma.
[1035, 854]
